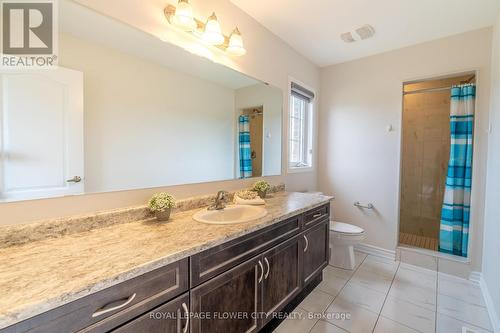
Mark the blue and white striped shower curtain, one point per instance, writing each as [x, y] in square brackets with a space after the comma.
[245, 149]
[455, 214]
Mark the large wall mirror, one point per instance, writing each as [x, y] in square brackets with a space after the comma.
[125, 110]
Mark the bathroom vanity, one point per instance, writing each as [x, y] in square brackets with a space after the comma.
[156, 115]
[144, 277]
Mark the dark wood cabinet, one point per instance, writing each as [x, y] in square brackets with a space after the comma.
[172, 317]
[316, 247]
[105, 310]
[282, 276]
[236, 286]
[230, 302]
[315, 216]
[212, 262]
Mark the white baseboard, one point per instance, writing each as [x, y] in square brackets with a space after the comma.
[494, 316]
[376, 251]
[476, 277]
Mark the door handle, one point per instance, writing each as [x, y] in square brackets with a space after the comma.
[75, 179]
[103, 310]
[307, 243]
[261, 271]
[268, 268]
[317, 215]
[186, 311]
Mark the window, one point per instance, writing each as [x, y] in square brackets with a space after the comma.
[300, 128]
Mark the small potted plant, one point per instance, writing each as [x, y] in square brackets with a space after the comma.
[261, 187]
[161, 204]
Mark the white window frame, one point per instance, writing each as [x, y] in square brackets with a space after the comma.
[309, 130]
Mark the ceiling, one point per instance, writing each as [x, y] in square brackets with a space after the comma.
[313, 27]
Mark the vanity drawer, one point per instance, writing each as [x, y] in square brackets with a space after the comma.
[212, 262]
[316, 215]
[112, 306]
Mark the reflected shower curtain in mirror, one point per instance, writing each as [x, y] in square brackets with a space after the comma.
[455, 214]
[245, 150]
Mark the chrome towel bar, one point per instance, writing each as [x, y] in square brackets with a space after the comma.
[359, 205]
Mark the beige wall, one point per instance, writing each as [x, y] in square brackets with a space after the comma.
[262, 47]
[360, 159]
[491, 267]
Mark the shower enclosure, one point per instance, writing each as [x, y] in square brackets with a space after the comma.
[425, 157]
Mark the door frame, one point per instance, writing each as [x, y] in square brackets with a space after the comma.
[472, 224]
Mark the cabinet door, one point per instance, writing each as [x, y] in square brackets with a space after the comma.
[282, 276]
[231, 302]
[172, 317]
[315, 247]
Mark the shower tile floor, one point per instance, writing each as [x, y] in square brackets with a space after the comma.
[419, 241]
[385, 296]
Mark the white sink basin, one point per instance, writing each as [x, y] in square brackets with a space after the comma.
[232, 214]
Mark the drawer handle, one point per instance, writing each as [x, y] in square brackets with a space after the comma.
[104, 310]
[268, 268]
[317, 215]
[307, 243]
[186, 311]
[261, 271]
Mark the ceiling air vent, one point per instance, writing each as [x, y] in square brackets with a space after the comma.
[347, 37]
[365, 31]
[361, 33]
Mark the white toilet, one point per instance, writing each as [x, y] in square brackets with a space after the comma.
[343, 237]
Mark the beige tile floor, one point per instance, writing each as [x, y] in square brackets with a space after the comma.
[384, 296]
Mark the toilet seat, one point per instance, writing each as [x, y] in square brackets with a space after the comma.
[345, 228]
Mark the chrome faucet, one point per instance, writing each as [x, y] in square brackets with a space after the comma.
[220, 201]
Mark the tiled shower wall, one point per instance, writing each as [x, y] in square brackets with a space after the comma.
[426, 145]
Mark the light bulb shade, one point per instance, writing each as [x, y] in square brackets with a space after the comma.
[213, 33]
[235, 46]
[183, 17]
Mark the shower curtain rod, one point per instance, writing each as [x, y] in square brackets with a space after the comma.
[437, 89]
[426, 90]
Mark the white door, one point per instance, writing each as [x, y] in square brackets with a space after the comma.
[41, 134]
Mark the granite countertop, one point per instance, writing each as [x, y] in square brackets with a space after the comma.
[39, 276]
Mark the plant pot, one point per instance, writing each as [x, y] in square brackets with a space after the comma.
[163, 215]
[262, 194]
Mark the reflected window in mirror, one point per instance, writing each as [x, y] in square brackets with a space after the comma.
[300, 128]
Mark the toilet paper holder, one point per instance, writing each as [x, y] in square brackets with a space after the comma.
[368, 206]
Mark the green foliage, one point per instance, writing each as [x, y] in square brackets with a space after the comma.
[161, 202]
[261, 186]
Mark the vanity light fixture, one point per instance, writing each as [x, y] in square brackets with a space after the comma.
[212, 34]
[209, 32]
[235, 46]
[183, 17]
